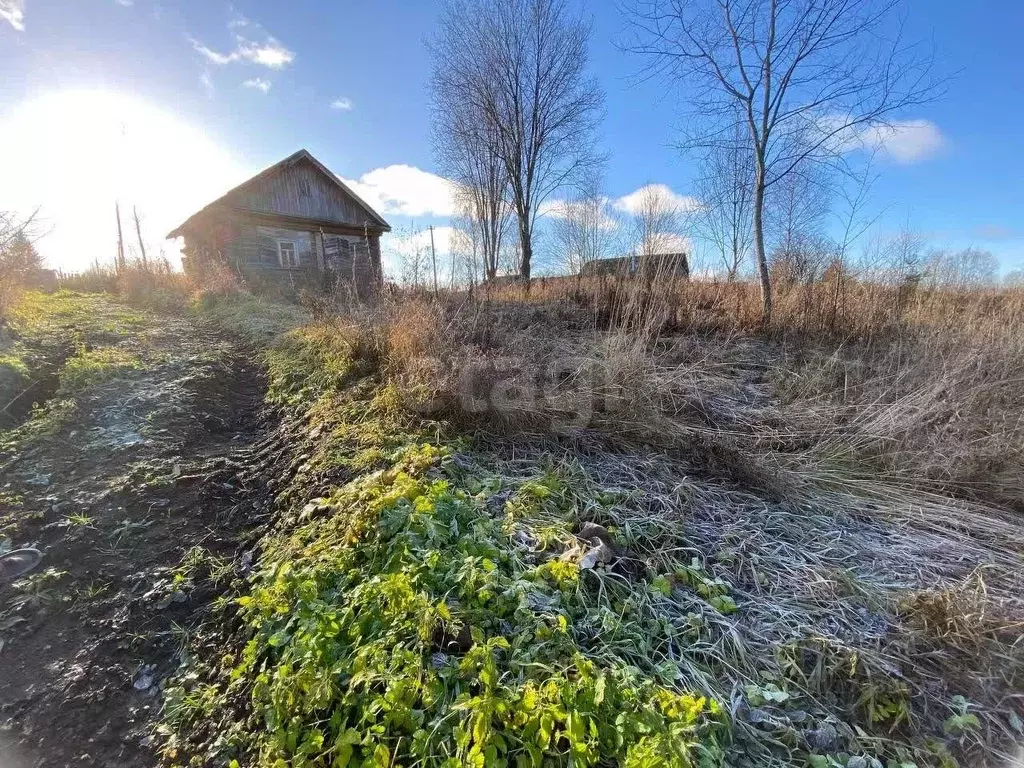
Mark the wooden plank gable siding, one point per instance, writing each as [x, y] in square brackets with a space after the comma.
[331, 237]
[301, 190]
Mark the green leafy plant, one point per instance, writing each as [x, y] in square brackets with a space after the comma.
[399, 629]
[962, 721]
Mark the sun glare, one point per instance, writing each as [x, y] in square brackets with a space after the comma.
[73, 154]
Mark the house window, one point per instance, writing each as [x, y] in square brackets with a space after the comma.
[287, 256]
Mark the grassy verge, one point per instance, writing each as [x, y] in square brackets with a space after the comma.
[431, 612]
[57, 346]
[683, 580]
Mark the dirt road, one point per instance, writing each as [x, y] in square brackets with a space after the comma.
[129, 486]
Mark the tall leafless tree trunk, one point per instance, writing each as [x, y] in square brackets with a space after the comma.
[138, 234]
[121, 264]
[467, 151]
[808, 78]
[518, 66]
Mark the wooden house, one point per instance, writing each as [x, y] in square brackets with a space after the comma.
[296, 222]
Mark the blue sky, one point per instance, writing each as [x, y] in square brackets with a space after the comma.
[165, 104]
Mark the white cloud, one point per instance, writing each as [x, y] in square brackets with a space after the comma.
[634, 201]
[904, 141]
[125, 3]
[406, 191]
[561, 209]
[267, 52]
[343, 104]
[212, 55]
[907, 141]
[556, 209]
[13, 12]
[258, 83]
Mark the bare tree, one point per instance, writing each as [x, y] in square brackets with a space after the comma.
[725, 189]
[583, 229]
[466, 146]
[414, 258]
[906, 255]
[657, 222]
[809, 78]
[962, 270]
[794, 223]
[1014, 278]
[520, 67]
[853, 223]
[797, 208]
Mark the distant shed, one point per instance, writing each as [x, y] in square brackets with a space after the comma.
[651, 265]
[295, 221]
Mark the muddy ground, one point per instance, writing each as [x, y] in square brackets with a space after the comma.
[135, 496]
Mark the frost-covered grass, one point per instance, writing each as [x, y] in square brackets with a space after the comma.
[429, 596]
[430, 613]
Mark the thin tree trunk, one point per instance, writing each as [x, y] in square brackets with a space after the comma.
[120, 240]
[759, 251]
[138, 233]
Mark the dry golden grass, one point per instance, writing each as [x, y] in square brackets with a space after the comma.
[920, 386]
[153, 283]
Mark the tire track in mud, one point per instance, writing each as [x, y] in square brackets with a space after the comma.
[138, 499]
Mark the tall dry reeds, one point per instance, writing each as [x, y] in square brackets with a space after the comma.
[910, 386]
[153, 282]
[859, 308]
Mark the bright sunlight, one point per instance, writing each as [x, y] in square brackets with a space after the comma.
[74, 153]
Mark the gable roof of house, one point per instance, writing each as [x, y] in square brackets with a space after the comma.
[229, 197]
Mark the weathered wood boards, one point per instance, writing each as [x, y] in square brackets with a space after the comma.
[295, 217]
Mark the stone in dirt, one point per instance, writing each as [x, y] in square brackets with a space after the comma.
[591, 531]
[602, 554]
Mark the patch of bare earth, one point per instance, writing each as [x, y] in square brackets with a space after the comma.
[135, 499]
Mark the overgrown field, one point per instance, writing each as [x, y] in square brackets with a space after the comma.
[563, 528]
[513, 533]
